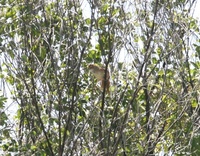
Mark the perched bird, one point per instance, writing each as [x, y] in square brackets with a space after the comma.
[99, 73]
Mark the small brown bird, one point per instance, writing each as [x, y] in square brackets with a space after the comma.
[99, 73]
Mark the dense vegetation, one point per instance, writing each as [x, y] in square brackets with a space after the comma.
[152, 51]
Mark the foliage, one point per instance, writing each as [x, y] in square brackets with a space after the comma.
[151, 52]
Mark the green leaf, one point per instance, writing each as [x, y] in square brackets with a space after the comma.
[194, 103]
[88, 21]
[24, 58]
[2, 101]
[11, 54]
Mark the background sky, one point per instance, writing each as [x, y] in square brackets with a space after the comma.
[197, 10]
